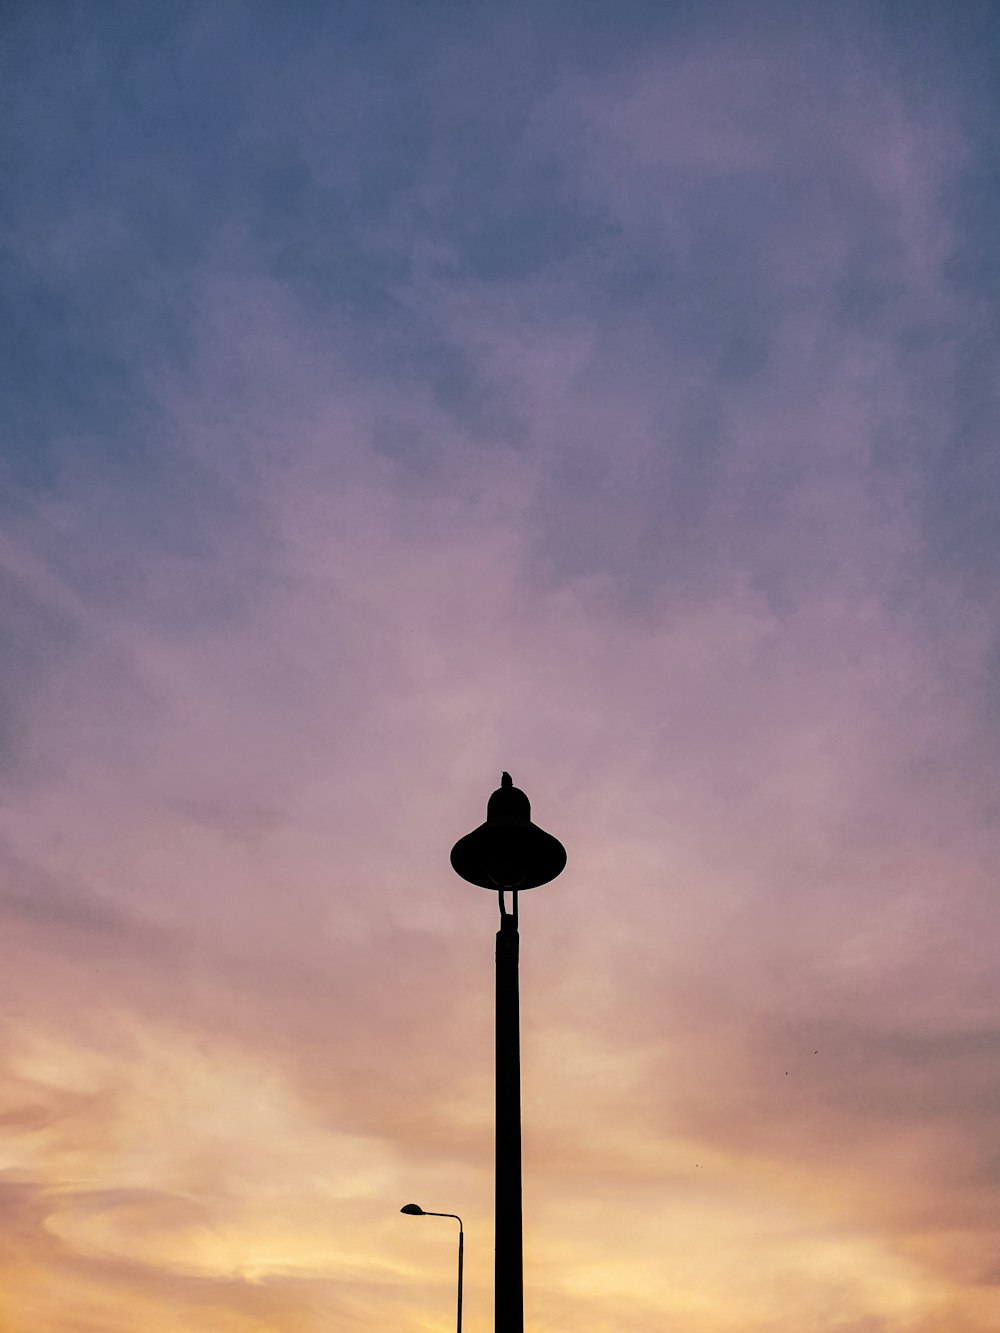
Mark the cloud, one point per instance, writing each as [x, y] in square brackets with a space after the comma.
[437, 402]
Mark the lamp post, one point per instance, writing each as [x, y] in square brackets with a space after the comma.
[414, 1210]
[508, 854]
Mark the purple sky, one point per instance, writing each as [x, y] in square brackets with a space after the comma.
[395, 394]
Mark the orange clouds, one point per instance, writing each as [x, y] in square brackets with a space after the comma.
[606, 406]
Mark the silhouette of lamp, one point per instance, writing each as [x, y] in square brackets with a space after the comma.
[414, 1210]
[508, 854]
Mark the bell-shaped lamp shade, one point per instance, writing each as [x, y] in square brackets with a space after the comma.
[508, 851]
[413, 1209]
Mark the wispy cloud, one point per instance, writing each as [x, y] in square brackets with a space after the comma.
[394, 403]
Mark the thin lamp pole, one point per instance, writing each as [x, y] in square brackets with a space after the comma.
[461, 1248]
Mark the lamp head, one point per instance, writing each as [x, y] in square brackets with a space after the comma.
[413, 1209]
[508, 851]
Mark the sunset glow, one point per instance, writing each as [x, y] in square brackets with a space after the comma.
[396, 394]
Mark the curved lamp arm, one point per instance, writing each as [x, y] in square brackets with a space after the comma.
[454, 1215]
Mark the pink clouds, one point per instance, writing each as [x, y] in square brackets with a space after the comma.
[643, 523]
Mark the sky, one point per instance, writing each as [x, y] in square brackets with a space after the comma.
[398, 393]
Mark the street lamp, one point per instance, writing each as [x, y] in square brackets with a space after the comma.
[414, 1210]
[507, 854]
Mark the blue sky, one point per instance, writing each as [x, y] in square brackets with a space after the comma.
[396, 394]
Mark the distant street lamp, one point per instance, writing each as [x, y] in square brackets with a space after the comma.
[414, 1210]
[507, 854]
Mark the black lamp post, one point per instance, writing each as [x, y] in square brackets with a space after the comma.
[414, 1210]
[507, 854]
